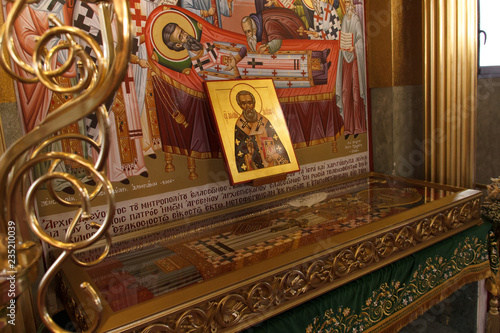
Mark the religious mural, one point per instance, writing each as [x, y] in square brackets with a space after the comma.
[163, 138]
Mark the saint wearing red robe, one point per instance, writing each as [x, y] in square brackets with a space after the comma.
[351, 84]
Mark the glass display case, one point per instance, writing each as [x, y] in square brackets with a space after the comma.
[228, 270]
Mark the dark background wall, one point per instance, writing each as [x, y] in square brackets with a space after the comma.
[394, 45]
[488, 130]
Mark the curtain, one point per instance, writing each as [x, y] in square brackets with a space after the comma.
[450, 81]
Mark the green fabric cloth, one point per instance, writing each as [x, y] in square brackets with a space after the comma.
[393, 293]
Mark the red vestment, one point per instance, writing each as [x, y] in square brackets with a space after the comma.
[281, 23]
[33, 98]
[354, 107]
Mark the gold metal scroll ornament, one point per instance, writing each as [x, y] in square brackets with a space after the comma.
[97, 82]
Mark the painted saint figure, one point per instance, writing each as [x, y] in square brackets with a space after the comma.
[222, 60]
[270, 27]
[126, 157]
[35, 100]
[211, 11]
[326, 22]
[257, 145]
[150, 141]
[350, 87]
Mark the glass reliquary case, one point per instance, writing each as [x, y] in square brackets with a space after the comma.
[230, 269]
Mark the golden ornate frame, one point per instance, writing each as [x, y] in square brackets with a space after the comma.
[226, 112]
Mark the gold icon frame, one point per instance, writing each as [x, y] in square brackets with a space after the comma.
[226, 113]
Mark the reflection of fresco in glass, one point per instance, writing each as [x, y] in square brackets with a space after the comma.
[390, 197]
[128, 279]
[246, 237]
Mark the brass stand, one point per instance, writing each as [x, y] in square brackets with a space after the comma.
[19, 183]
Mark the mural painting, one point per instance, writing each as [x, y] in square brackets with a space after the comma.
[165, 147]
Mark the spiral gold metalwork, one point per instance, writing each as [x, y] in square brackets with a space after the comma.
[97, 81]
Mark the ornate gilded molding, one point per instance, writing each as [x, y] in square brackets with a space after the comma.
[20, 177]
[396, 295]
[254, 302]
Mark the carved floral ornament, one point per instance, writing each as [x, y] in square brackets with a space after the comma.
[393, 296]
[254, 303]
